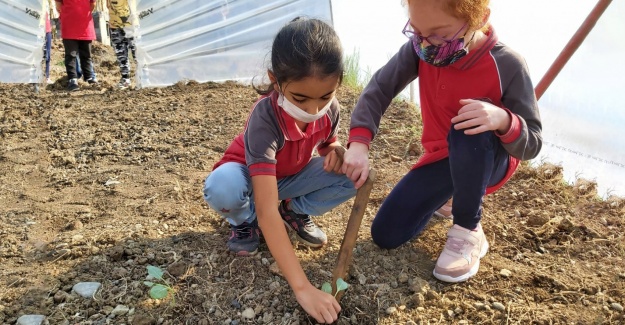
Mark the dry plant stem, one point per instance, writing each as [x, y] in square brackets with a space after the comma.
[351, 231]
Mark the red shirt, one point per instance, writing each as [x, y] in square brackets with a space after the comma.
[272, 143]
[76, 20]
[492, 73]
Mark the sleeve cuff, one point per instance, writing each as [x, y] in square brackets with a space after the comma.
[361, 135]
[262, 169]
[514, 131]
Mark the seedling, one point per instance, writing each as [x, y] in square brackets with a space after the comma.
[340, 286]
[158, 290]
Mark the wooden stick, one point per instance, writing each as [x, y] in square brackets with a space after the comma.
[344, 259]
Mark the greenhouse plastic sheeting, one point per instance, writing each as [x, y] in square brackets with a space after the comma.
[205, 40]
[582, 111]
[22, 36]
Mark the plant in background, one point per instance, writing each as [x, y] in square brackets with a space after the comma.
[340, 286]
[158, 290]
[351, 77]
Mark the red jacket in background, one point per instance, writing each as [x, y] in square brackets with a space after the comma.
[48, 25]
[76, 20]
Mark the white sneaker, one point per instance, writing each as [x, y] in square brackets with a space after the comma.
[460, 259]
[124, 83]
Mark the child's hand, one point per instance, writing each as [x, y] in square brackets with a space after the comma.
[356, 163]
[332, 163]
[322, 306]
[477, 116]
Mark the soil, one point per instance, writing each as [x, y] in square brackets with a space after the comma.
[96, 185]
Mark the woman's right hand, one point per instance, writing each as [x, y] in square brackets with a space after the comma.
[322, 306]
[356, 163]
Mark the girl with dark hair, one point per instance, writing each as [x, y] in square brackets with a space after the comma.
[272, 159]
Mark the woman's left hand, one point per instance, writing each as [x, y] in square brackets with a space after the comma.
[477, 116]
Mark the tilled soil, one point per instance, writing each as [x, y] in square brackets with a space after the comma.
[97, 184]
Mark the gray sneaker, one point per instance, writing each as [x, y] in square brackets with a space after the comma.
[123, 83]
[72, 85]
[244, 239]
[306, 230]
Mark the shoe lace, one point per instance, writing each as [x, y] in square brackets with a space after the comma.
[307, 220]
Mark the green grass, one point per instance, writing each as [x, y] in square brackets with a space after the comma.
[351, 77]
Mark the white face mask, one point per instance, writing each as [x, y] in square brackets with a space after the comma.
[298, 113]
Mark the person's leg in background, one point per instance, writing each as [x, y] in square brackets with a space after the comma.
[120, 45]
[47, 55]
[86, 64]
[71, 54]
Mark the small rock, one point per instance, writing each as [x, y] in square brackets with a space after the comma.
[418, 299]
[362, 279]
[616, 306]
[86, 289]
[60, 296]
[499, 306]
[505, 273]
[403, 278]
[391, 310]
[274, 285]
[120, 310]
[248, 313]
[177, 269]
[275, 269]
[235, 303]
[479, 306]
[30, 320]
[432, 295]
[419, 285]
[76, 225]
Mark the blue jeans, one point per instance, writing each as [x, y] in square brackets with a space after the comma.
[475, 162]
[313, 191]
[47, 54]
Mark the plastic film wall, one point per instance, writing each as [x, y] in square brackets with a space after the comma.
[582, 110]
[212, 40]
[22, 36]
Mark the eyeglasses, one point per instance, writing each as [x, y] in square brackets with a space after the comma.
[432, 39]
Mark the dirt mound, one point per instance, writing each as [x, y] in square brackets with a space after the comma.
[98, 184]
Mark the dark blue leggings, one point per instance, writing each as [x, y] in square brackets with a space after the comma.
[475, 162]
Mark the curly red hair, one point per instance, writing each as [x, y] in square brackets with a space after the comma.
[472, 11]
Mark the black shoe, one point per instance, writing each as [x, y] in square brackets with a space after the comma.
[92, 80]
[244, 239]
[306, 230]
[72, 85]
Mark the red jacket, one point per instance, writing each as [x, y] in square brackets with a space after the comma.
[76, 20]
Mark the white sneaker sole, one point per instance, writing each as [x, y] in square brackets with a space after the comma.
[466, 276]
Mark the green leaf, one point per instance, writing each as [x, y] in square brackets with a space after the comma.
[158, 291]
[148, 283]
[327, 288]
[155, 272]
[341, 285]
